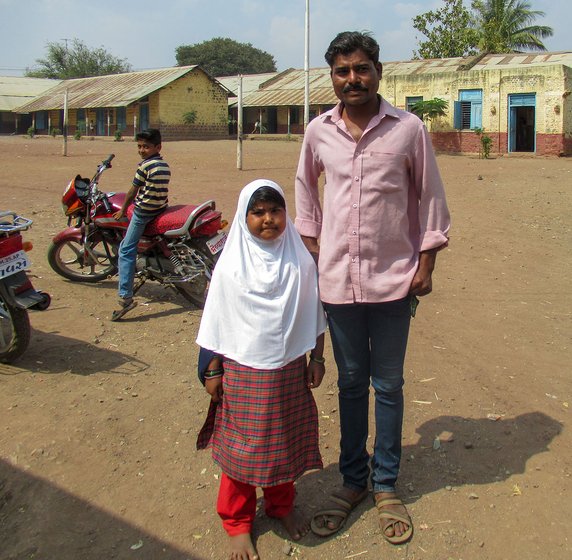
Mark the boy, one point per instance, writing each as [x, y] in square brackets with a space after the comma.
[149, 190]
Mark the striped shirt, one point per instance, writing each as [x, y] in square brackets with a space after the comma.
[152, 183]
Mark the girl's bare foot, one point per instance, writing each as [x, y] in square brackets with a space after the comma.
[296, 525]
[242, 548]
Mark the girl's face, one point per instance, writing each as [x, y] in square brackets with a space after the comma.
[266, 220]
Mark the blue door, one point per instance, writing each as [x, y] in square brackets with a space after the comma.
[143, 116]
[100, 122]
[522, 122]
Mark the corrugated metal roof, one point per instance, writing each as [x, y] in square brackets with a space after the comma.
[16, 90]
[250, 82]
[287, 89]
[116, 90]
[486, 62]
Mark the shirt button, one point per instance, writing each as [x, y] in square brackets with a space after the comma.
[356, 178]
[353, 259]
[354, 205]
[353, 232]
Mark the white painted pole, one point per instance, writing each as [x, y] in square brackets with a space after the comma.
[65, 125]
[239, 126]
[307, 66]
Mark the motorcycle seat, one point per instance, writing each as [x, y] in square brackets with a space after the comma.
[172, 218]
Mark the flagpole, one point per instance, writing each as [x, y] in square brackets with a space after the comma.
[307, 66]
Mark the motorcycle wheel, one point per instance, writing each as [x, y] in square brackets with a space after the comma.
[196, 291]
[69, 259]
[14, 331]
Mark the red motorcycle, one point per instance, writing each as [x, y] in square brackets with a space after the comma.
[179, 248]
[17, 294]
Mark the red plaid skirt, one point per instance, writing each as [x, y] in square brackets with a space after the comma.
[266, 427]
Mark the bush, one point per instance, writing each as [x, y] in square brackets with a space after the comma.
[486, 143]
[31, 131]
[118, 136]
[55, 131]
[77, 134]
[190, 117]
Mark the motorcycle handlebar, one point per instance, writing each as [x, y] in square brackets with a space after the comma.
[107, 162]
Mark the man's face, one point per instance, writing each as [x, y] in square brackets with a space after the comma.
[355, 78]
[146, 149]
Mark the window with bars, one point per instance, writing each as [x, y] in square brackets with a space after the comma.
[410, 102]
[468, 111]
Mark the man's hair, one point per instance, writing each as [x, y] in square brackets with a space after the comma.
[151, 135]
[266, 194]
[347, 42]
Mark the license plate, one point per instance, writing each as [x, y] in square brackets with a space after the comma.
[216, 243]
[14, 263]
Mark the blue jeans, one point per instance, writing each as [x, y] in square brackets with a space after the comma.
[128, 253]
[369, 342]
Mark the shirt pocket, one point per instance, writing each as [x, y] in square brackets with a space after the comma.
[385, 172]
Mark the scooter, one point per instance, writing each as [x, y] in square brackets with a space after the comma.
[179, 248]
[17, 294]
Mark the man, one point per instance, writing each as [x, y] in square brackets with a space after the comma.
[149, 190]
[384, 219]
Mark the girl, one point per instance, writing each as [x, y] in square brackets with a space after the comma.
[262, 315]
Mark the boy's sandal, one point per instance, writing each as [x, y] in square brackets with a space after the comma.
[338, 509]
[388, 518]
[125, 307]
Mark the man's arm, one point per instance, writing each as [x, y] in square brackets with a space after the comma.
[422, 283]
[129, 197]
[313, 247]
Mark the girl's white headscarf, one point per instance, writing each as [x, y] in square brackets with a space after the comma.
[263, 308]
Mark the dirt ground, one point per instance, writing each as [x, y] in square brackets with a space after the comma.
[99, 419]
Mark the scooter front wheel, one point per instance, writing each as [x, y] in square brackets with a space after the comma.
[14, 331]
[79, 262]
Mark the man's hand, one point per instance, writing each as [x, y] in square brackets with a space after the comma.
[313, 247]
[422, 283]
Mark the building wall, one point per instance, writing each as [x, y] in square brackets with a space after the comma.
[167, 106]
[553, 125]
[194, 92]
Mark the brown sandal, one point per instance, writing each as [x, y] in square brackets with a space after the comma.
[340, 509]
[388, 518]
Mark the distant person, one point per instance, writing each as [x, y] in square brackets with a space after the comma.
[262, 315]
[256, 127]
[383, 221]
[149, 190]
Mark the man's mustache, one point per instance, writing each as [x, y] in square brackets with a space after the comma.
[356, 87]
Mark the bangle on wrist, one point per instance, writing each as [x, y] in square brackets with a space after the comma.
[211, 373]
[318, 360]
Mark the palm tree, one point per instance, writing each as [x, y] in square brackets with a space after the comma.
[505, 26]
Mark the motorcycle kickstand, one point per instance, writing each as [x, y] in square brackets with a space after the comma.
[138, 284]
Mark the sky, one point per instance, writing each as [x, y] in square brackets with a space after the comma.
[146, 33]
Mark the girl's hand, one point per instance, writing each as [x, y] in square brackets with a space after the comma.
[314, 374]
[214, 388]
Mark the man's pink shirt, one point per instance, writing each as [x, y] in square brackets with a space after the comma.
[383, 203]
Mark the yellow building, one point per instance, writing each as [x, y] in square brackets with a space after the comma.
[521, 101]
[182, 102]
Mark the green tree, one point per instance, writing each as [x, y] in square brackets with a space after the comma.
[226, 57]
[76, 61]
[430, 109]
[448, 32]
[506, 26]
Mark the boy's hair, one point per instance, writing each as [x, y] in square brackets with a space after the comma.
[266, 194]
[152, 135]
[347, 42]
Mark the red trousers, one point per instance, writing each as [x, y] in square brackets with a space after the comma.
[236, 503]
